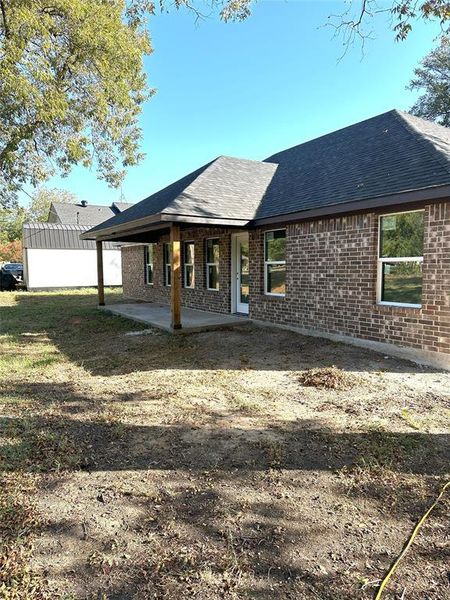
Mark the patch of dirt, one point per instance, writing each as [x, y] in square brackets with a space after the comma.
[206, 466]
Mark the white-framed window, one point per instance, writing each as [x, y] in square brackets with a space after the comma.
[149, 252]
[167, 263]
[400, 257]
[275, 262]
[188, 254]
[212, 264]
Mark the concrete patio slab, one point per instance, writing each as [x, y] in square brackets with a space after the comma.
[158, 315]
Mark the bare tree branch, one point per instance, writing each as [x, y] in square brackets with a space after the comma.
[5, 23]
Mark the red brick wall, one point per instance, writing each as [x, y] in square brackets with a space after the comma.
[331, 277]
[133, 273]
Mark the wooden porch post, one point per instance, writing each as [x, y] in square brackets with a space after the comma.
[176, 276]
[100, 283]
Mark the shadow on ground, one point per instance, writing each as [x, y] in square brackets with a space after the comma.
[229, 504]
[96, 341]
[302, 445]
[180, 512]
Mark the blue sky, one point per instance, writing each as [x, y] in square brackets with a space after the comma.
[253, 88]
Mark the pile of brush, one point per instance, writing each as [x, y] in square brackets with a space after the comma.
[330, 378]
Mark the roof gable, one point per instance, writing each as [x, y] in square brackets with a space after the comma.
[120, 206]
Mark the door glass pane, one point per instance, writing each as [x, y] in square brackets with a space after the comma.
[402, 282]
[244, 273]
[276, 279]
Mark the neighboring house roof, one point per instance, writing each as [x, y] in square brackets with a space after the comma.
[393, 153]
[56, 236]
[84, 213]
[77, 214]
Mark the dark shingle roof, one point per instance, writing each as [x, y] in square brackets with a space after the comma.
[76, 214]
[57, 236]
[90, 214]
[121, 206]
[153, 204]
[227, 188]
[387, 154]
[230, 188]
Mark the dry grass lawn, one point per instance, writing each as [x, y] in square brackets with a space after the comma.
[233, 464]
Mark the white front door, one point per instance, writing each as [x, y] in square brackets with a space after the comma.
[240, 273]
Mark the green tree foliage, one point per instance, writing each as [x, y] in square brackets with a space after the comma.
[11, 221]
[433, 78]
[42, 199]
[402, 235]
[13, 217]
[406, 12]
[72, 85]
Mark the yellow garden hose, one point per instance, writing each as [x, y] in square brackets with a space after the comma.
[410, 541]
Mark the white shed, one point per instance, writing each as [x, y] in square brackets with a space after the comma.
[55, 257]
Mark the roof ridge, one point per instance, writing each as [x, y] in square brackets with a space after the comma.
[423, 139]
[240, 159]
[79, 205]
[199, 172]
[208, 167]
[324, 135]
[45, 225]
[381, 157]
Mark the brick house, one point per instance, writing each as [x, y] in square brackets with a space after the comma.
[346, 236]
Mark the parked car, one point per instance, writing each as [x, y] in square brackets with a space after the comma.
[11, 276]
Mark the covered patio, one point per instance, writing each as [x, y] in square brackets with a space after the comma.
[172, 316]
[160, 316]
[223, 195]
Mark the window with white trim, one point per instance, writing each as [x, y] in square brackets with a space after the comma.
[212, 263]
[167, 251]
[149, 252]
[189, 276]
[400, 259]
[275, 262]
